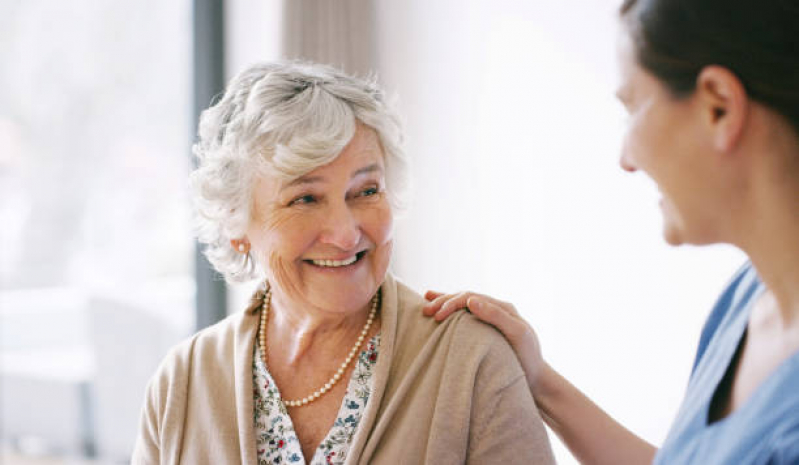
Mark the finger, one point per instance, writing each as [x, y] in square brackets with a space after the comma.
[434, 305]
[502, 316]
[430, 295]
[506, 307]
[485, 310]
[454, 303]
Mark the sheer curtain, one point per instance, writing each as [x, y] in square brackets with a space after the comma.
[339, 33]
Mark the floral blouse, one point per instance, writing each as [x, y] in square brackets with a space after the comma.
[276, 439]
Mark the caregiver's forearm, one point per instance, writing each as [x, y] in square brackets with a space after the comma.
[591, 435]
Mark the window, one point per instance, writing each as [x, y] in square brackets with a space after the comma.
[96, 269]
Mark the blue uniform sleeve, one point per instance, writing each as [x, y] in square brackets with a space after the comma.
[786, 451]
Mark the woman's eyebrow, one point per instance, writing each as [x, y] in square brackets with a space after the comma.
[303, 180]
[374, 167]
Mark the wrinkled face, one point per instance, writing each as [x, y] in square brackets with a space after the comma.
[665, 139]
[325, 238]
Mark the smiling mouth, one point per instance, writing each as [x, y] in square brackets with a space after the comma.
[337, 263]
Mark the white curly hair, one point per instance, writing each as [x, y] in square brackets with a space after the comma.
[288, 118]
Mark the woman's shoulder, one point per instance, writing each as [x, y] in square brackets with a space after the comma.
[211, 348]
[409, 305]
[467, 338]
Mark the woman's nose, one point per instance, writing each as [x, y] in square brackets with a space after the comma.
[341, 228]
[624, 160]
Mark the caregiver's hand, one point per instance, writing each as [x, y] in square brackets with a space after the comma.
[503, 316]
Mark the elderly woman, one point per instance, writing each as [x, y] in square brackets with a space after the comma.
[300, 171]
[712, 89]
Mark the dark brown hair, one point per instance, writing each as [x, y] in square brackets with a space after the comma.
[757, 40]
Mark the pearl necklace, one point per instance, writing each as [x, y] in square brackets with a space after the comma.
[343, 368]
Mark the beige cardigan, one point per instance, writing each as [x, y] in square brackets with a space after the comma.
[445, 393]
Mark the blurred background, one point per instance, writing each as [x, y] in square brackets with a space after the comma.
[513, 132]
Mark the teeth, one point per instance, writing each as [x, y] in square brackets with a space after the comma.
[335, 263]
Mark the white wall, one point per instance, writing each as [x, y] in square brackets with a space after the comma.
[253, 31]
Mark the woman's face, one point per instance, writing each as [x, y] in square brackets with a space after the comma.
[325, 238]
[665, 140]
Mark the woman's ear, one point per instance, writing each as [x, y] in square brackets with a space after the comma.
[725, 105]
[241, 245]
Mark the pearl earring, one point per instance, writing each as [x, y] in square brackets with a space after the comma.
[242, 248]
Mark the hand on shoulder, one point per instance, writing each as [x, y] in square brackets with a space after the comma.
[500, 314]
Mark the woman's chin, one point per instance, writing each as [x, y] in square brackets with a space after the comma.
[342, 295]
[672, 237]
[336, 302]
[672, 234]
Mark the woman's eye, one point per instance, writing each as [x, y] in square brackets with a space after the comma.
[303, 200]
[369, 191]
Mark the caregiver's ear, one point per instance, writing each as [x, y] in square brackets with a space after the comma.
[724, 104]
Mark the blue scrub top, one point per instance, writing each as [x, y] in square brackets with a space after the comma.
[765, 429]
